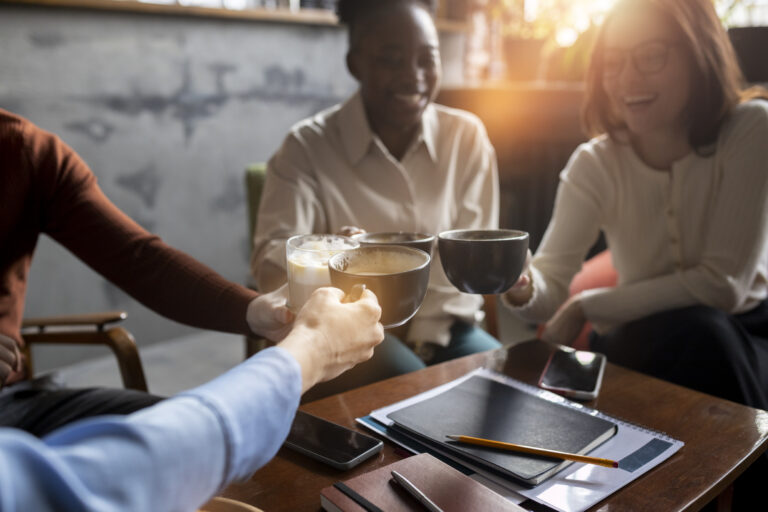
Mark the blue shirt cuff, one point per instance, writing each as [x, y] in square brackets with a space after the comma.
[255, 403]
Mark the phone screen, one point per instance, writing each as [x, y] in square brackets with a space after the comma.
[576, 370]
[329, 442]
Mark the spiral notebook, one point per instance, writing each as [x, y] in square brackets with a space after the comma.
[486, 408]
[574, 488]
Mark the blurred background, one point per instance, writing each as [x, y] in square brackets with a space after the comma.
[168, 101]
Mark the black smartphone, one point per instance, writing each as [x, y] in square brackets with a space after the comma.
[574, 373]
[337, 446]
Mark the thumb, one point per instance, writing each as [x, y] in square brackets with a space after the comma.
[283, 315]
[546, 334]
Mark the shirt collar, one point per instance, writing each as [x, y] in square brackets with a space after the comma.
[357, 136]
[429, 128]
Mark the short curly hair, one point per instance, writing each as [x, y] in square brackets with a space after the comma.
[352, 12]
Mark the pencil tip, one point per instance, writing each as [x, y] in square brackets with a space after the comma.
[455, 438]
[615, 464]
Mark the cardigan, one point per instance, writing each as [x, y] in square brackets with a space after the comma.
[696, 234]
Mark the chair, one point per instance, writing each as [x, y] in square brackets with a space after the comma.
[255, 175]
[596, 272]
[88, 329]
[491, 322]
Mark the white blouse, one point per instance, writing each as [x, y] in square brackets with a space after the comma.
[697, 234]
[333, 171]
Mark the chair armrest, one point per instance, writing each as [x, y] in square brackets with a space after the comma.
[491, 315]
[97, 319]
[116, 338]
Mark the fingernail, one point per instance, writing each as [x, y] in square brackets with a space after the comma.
[354, 294]
[284, 315]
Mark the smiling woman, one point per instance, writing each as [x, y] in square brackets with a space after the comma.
[379, 50]
[387, 159]
[675, 178]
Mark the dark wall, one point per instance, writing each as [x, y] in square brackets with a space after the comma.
[167, 111]
[534, 129]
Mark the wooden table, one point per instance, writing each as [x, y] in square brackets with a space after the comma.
[721, 438]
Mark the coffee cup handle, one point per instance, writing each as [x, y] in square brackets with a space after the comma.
[354, 294]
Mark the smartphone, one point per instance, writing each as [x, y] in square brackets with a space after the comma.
[574, 373]
[337, 446]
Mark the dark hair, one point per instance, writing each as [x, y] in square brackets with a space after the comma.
[717, 78]
[351, 12]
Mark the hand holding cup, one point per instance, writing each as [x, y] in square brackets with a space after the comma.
[330, 336]
[268, 315]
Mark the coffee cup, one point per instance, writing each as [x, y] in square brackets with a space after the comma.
[398, 276]
[307, 264]
[420, 241]
[483, 261]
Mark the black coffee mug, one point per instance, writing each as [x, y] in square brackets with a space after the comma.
[483, 261]
[398, 276]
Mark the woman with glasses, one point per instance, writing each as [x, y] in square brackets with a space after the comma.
[677, 180]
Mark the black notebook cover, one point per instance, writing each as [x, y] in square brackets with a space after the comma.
[482, 407]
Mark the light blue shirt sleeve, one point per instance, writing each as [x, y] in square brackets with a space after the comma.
[173, 456]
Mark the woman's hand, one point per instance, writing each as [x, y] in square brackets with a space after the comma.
[350, 231]
[522, 291]
[566, 324]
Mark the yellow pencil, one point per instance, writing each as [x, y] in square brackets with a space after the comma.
[535, 451]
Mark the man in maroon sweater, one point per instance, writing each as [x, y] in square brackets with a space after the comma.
[46, 188]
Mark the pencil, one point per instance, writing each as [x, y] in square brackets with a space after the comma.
[535, 451]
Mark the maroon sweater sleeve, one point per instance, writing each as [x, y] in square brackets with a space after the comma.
[77, 214]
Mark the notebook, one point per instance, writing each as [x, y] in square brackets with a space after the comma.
[489, 409]
[448, 488]
[577, 487]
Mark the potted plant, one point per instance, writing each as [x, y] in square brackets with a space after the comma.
[533, 32]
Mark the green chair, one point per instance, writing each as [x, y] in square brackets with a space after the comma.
[255, 175]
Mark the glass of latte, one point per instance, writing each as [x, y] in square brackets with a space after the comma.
[307, 264]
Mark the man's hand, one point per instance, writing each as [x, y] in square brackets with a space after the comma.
[567, 322]
[330, 337]
[10, 358]
[268, 315]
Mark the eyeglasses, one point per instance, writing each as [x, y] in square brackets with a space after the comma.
[649, 57]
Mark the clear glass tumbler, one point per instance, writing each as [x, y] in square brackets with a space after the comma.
[307, 264]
